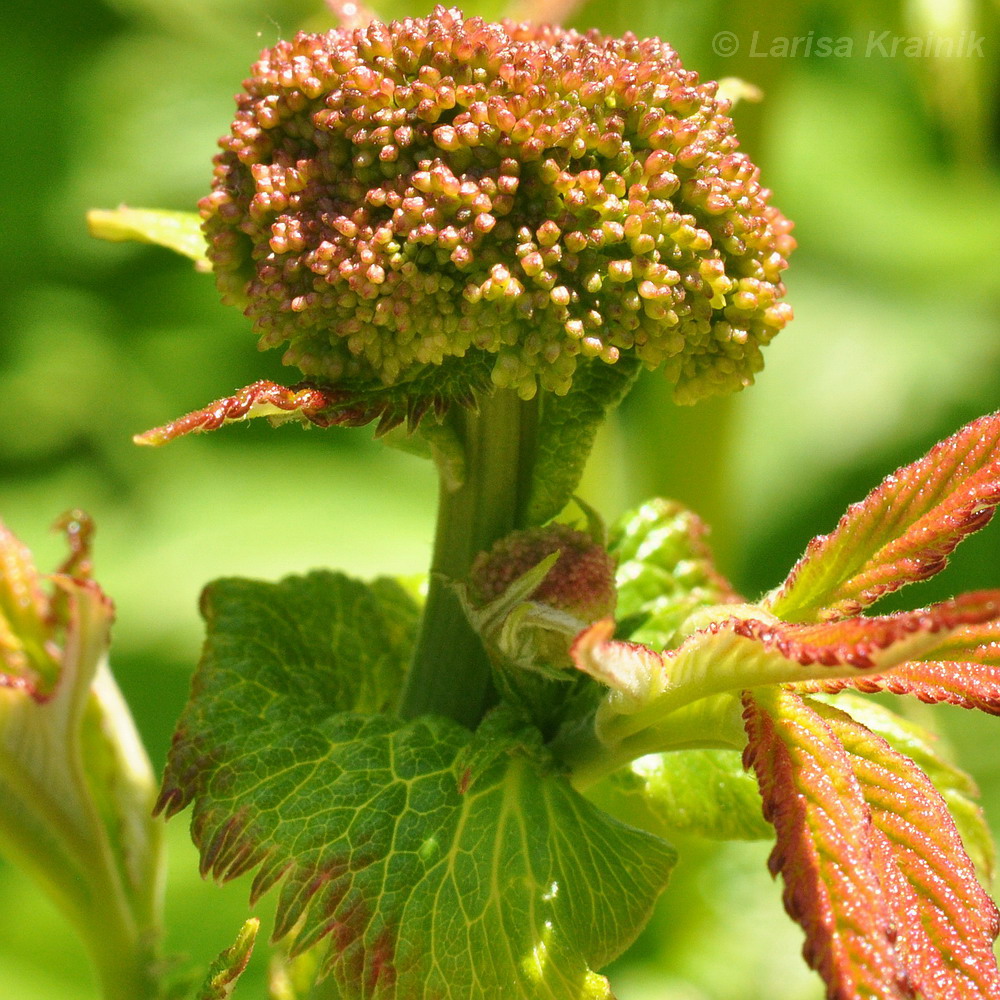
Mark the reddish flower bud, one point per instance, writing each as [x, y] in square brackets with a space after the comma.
[396, 197]
[581, 583]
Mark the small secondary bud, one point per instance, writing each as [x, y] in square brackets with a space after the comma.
[581, 583]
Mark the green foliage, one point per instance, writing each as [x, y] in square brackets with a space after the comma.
[567, 427]
[704, 792]
[99, 342]
[665, 571]
[439, 863]
[230, 965]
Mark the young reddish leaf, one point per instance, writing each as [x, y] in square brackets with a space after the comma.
[903, 531]
[740, 646]
[874, 869]
[832, 887]
[261, 399]
[965, 685]
[964, 671]
[922, 746]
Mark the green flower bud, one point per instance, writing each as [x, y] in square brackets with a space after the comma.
[441, 203]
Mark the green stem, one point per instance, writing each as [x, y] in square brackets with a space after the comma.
[450, 673]
[711, 723]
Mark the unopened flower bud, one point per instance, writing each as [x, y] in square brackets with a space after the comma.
[581, 583]
[442, 202]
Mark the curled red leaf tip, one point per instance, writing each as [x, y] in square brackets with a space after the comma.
[261, 399]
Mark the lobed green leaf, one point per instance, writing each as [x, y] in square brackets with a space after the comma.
[437, 864]
[903, 531]
[287, 653]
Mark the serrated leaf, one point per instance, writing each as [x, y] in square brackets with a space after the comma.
[874, 869]
[965, 672]
[513, 889]
[230, 965]
[665, 572]
[956, 787]
[736, 647]
[704, 792]
[903, 531]
[178, 231]
[566, 430]
[434, 868]
[298, 649]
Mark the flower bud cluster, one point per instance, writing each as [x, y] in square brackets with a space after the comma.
[394, 196]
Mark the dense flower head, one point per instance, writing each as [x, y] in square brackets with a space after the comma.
[395, 197]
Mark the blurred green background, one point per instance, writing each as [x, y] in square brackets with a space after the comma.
[887, 163]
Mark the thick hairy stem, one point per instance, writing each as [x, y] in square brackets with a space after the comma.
[450, 674]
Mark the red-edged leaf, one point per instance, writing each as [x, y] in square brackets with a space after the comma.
[964, 671]
[734, 650]
[874, 869]
[28, 615]
[823, 849]
[965, 685]
[306, 403]
[901, 532]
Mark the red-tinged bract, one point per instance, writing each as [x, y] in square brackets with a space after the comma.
[499, 202]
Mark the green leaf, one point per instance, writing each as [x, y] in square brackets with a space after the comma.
[665, 572]
[435, 866]
[704, 792]
[297, 649]
[230, 965]
[902, 532]
[178, 231]
[566, 431]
